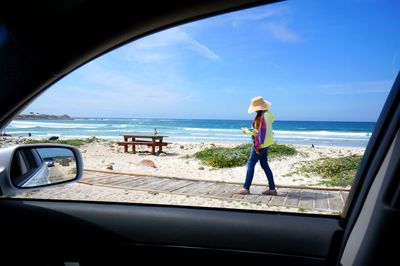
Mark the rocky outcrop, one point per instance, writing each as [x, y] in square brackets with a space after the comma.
[147, 163]
[33, 116]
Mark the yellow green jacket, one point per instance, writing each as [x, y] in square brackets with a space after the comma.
[269, 137]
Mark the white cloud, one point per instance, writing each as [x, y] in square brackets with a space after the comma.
[124, 90]
[272, 19]
[163, 45]
[363, 87]
[202, 49]
[281, 32]
[279, 67]
[256, 15]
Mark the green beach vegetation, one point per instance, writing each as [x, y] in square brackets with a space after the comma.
[219, 157]
[334, 171]
[73, 142]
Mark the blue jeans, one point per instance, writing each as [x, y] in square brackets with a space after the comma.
[253, 159]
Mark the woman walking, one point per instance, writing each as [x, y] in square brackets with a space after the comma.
[262, 136]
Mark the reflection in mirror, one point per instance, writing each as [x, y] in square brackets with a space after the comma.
[33, 167]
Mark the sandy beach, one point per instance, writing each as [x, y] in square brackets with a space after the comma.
[177, 161]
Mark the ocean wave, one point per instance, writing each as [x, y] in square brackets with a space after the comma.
[291, 132]
[322, 133]
[319, 138]
[219, 134]
[123, 126]
[23, 132]
[31, 124]
[203, 138]
[112, 129]
[210, 129]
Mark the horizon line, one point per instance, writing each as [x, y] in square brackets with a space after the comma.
[231, 119]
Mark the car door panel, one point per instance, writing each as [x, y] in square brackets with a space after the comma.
[74, 226]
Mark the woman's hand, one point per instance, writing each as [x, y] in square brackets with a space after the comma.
[244, 130]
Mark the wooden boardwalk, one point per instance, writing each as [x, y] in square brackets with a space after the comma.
[306, 198]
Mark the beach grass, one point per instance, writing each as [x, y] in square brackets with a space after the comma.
[220, 157]
[73, 142]
[334, 171]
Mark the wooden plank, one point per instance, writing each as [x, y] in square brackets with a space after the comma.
[97, 176]
[152, 185]
[280, 199]
[307, 198]
[118, 181]
[144, 136]
[89, 175]
[178, 184]
[255, 192]
[189, 189]
[161, 184]
[321, 200]
[205, 188]
[264, 198]
[134, 142]
[335, 201]
[216, 189]
[134, 183]
[236, 196]
[114, 180]
[344, 194]
[165, 186]
[147, 181]
[258, 196]
[292, 198]
[143, 143]
[220, 187]
[103, 178]
[228, 190]
[183, 185]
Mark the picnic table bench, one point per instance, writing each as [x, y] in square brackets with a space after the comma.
[152, 141]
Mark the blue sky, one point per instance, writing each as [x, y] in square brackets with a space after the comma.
[314, 60]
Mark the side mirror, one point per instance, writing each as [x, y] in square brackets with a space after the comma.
[32, 166]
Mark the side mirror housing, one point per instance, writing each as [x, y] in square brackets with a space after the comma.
[27, 167]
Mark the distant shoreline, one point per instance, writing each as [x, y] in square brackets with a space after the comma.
[42, 117]
[224, 131]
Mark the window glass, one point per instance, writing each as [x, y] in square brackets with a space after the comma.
[189, 95]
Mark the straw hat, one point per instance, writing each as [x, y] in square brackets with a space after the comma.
[257, 104]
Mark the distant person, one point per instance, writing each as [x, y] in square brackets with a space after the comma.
[29, 134]
[262, 136]
[4, 134]
[155, 131]
[312, 146]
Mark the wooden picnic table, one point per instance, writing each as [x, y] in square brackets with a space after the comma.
[152, 141]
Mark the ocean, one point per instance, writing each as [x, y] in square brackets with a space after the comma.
[344, 134]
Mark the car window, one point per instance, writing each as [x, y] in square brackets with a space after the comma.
[269, 108]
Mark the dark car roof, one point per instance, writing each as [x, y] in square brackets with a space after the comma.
[41, 41]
